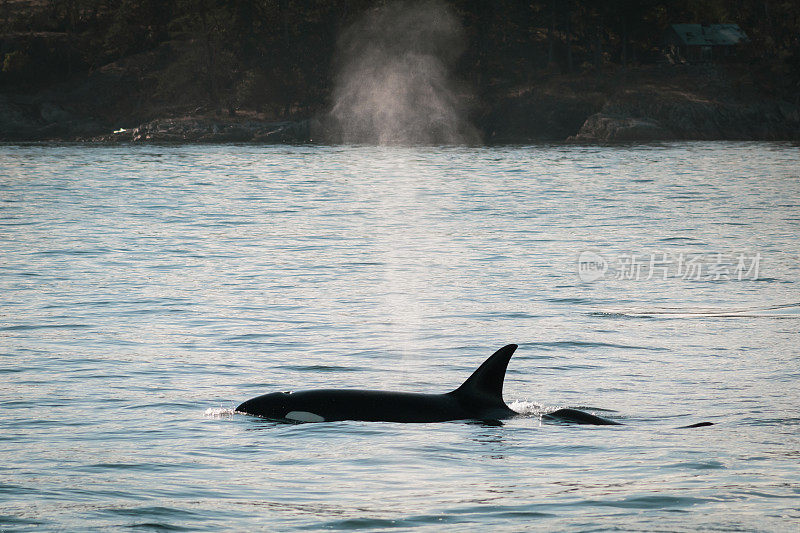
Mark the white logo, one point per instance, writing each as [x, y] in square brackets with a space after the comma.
[591, 266]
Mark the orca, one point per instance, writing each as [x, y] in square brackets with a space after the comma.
[573, 416]
[480, 397]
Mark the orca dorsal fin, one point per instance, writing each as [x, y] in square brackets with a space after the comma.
[486, 382]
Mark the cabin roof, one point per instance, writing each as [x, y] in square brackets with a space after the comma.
[709, 34]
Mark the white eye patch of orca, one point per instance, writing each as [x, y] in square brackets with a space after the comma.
[303, 416]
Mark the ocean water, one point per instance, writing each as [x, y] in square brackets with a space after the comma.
[145, 291]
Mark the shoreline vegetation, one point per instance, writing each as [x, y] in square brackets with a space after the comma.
[271, 71]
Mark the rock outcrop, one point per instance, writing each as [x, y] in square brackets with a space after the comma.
[616, 128]
[649, 117]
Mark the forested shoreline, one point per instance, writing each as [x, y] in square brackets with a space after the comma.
[80, 69]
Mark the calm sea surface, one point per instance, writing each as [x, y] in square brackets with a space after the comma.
[146, 290]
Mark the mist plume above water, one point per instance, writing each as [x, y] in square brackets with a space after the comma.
[393, 83]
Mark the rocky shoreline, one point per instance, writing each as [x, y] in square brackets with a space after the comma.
[212, 130]
[637, 115]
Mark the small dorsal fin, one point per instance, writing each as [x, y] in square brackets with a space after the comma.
[487, 381]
